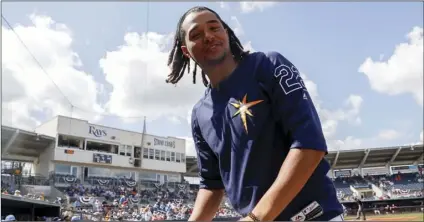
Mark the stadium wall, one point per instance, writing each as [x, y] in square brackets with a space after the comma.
[83, 129]
[43, 164]
[48, 128]
[123, 139]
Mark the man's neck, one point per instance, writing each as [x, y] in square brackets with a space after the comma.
[220, 72]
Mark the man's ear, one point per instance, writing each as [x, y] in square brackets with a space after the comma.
[185, 51]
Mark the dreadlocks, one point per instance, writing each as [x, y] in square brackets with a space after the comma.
[179, 63]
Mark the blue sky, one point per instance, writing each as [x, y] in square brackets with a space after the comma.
[379, 104]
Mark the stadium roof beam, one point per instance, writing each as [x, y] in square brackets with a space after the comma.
[191, 174]
[335, 159]
[394, 157]
[420, 159]
[192, 168]
[10, 142]
[19, 157]
[23, 145]
[348, 159]
[367, 152]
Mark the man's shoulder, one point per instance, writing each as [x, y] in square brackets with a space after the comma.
[268, 54]
[196, 108]
[199, 103]
[266, 62]
[275, 57]
[270, 59]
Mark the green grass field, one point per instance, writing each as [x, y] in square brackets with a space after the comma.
[392, 217]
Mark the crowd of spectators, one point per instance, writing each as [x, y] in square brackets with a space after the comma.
[124, 201]
[132, 202]
[398, 185]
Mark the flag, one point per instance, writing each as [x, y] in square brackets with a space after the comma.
[144, 126]
[142, 138]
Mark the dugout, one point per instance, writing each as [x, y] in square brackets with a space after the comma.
[403, 204]
[27, 209]
[364, 191]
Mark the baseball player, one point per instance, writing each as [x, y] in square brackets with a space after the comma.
[360, 209]
[257, 134]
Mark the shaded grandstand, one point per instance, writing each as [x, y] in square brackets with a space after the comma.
[358, 158]
[369, 173]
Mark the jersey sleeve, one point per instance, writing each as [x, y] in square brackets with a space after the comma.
[207, 162]
[292, 105]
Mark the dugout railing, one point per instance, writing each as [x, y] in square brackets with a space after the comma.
[26, 209]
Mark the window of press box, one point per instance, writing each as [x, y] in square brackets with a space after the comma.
[70, 142]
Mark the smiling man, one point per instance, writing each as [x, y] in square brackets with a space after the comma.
[256, 130]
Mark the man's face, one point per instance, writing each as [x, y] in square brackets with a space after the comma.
[206, 40]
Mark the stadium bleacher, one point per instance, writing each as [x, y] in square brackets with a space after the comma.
[115, 198]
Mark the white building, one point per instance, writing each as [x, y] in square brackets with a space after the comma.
[87, 150]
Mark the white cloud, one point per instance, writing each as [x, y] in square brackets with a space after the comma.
[416, 142]
[248, 47]
[349, 113]
[29, 96]
[248, 7]
[137, 72]
[348, 143]
[402, 73]
[330, 118]
[384, 138]
[224, 5]
[389, 134]
[237, 28]
[239, 31]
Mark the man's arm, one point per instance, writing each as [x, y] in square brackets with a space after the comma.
[211, 187]
[206, 205]
[294, 109]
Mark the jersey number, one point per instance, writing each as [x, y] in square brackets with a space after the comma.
[289, 78]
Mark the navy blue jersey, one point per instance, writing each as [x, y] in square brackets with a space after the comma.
[244, 129]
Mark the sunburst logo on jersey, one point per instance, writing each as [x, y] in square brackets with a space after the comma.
[243, 109]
